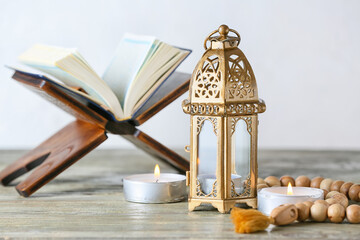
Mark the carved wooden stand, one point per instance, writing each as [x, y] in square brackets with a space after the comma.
[78, 138]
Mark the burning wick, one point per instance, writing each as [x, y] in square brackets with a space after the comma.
[157, 173]
[290, 190]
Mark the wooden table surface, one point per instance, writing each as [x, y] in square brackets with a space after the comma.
[87, 201]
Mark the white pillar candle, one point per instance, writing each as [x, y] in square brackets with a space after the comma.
[270, 198]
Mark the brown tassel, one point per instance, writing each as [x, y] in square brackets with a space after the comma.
[249, 220]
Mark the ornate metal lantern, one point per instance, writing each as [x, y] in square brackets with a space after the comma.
[223, 104]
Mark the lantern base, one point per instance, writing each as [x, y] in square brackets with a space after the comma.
[223, 206]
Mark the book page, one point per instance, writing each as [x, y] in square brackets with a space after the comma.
[154, 102]
[130, 56]
[142, 97]
[68, 66]
[161, 62]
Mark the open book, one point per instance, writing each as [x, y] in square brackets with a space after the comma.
[140, 67]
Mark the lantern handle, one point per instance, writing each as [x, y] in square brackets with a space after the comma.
[223, 31]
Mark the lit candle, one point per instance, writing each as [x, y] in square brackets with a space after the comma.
[157, 173]
[155, 187]
[270, 198]
[207, 182]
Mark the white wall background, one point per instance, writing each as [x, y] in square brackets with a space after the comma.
[305, 55]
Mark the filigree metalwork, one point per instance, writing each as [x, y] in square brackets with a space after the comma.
[223, 87]
[239, 79]
[207, 80]
[247, 120]
[200, 123]
[232, 109]
[205, 109]
[200, 193]
[245, 193]
[245, 108]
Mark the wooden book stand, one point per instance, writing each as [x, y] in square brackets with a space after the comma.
[88, 131]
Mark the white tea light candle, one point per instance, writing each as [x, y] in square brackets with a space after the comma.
[155, 188]
[270, 198]
[207, 182]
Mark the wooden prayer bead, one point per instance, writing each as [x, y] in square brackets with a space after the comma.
[302, 181]
[285, 180]
[326, 183]
[308, 203]
[284, 214]
[354, 192]
[331, 201]
[330, 194]
[344, 189]
[318, 212]
[303, 211]
[342, 199]
[325, 193]
[322, 202]
[315, 182]
[336, 185]
[353, 213]
[261, 186]
[336, 213]
[260, 181]
[272, 181]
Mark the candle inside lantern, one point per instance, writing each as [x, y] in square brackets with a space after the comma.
[207, 182]
[270, 198]
[155, 187]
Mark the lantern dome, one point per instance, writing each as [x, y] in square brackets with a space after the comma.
[223, 82]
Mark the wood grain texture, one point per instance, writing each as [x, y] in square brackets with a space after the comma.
[53, 156]
[156, 149]
[161, 100]
[75, 140]
[87, 201]
[73, 104]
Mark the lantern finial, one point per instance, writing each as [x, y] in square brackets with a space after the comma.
[223, 30]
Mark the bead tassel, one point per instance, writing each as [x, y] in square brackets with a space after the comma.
[249, 220]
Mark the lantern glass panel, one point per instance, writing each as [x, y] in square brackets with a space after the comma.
[207, 158]
[241, 144]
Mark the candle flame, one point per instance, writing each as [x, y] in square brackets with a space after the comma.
[290, 190]
[157, 172]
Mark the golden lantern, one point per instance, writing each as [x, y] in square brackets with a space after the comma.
[223, 103]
